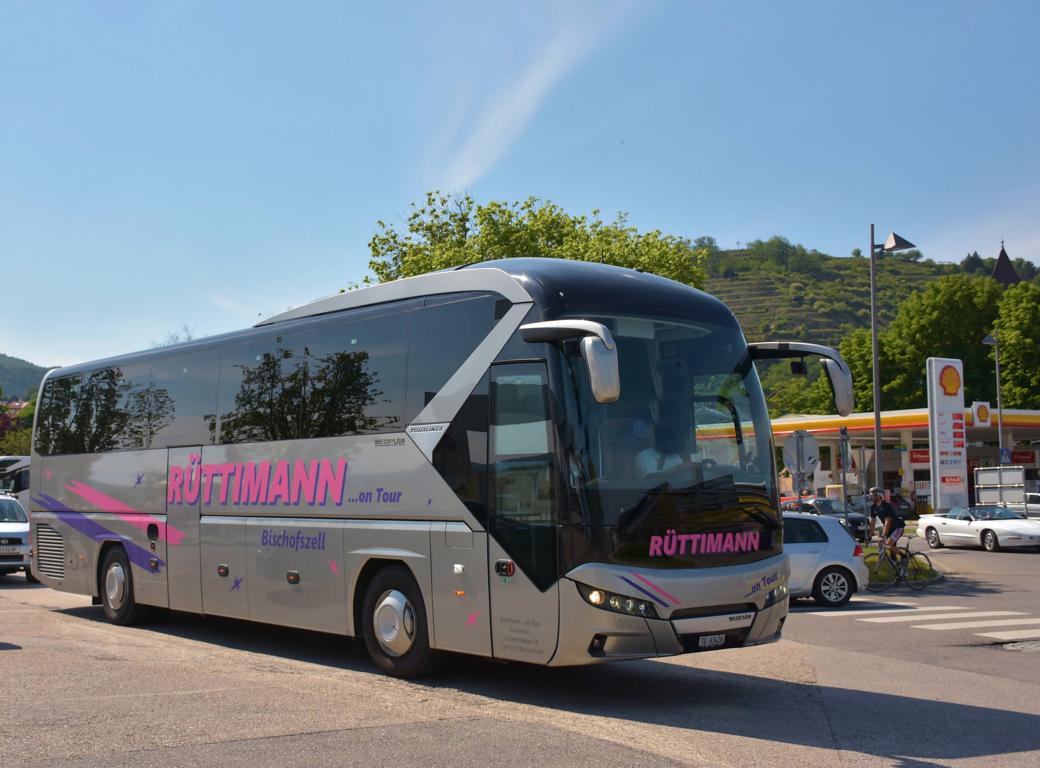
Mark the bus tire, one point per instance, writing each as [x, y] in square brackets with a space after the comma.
[30, 578]
[116, 586]
[394, 624]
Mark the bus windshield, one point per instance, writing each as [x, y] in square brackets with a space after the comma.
[691, 425]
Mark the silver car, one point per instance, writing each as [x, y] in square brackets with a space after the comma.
[826, 563]
[14, 537]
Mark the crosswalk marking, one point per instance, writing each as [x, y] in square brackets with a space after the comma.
[916, 616]
[974, 624]
[883, 609]
[1018, 634]
[949, 617]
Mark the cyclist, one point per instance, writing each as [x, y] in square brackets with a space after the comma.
[892, 522]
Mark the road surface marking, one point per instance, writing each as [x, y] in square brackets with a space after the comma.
[1018, 634]
[884, 610]
[974, 624]
[933, 616]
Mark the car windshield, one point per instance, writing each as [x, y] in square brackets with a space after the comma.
[11, 512]
[994, 513]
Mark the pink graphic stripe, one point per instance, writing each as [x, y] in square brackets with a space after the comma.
[106, 503]
[657, 589]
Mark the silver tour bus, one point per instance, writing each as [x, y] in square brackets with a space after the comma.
[535, 460]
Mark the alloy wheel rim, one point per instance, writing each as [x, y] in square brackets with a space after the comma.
[394, 622]
[834, 587]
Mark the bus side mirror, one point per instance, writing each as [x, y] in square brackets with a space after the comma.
[838, 373]
[602, 364]
[840, 379]
[597, 349]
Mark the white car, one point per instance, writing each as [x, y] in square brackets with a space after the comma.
[989, 526]
[14, 537]
[826, 563]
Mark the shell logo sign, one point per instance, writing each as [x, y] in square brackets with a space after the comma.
[950, 381]
[981, 414]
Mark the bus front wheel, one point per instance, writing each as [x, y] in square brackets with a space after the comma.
[394, 624]
[117, 590]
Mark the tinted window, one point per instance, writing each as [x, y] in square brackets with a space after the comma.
[356, 376]
[100, 418]
[182, 399]
[262, 382]
[137, 418]
[803, 532]
[444, 333]
[57, 411]
[461, 455]
[522, 451]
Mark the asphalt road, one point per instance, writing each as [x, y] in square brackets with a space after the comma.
[985, 598]
[213, 692]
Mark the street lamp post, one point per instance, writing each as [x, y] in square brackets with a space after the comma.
[893, 243]
[991, 341]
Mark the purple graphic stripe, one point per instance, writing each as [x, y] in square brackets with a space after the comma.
[138, 555]
[648, 593]
[657, 589]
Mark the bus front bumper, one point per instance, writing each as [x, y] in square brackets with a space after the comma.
[591, 635]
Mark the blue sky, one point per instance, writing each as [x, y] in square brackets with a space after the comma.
[204, 163]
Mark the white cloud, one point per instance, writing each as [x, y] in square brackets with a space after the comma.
[506, 113]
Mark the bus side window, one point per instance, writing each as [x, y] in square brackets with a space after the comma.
[356, 377]
[443, 334]
[262, 382]
[138, 417]
[461, 455]
[184, 392]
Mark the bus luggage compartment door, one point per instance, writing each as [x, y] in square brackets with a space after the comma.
[458, 558]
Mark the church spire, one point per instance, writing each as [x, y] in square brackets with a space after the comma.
[1004, 271]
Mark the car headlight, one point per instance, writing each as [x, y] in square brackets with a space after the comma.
[609, 601]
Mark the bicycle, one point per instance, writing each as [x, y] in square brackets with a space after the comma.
[915, 568]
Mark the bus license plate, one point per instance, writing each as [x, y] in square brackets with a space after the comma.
[711, 641]
[8, 550]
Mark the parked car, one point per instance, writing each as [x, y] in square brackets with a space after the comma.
[988, 526]
[14, 537]
[826, 563]
[854, 522]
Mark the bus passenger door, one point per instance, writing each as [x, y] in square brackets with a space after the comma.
[522, 564]
[182, 567]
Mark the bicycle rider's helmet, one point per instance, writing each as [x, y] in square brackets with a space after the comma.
[875, 491]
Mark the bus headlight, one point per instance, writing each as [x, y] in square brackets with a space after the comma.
[608, 601]
[776, 594]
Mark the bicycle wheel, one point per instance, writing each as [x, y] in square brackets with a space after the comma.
[883, 573]
[919, 571]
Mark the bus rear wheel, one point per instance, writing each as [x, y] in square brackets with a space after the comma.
[117, 590]
[394, 624]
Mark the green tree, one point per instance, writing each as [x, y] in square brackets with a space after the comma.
[1018, 332]
[16, 442]
[947, 319]
[448, 231]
